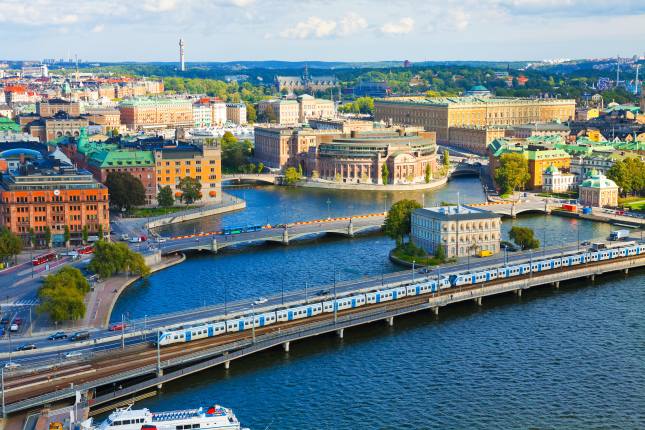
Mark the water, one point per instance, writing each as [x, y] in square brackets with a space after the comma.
[571, 358]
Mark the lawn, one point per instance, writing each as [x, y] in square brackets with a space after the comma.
[409, 253]
[150, 212]
[633, 203]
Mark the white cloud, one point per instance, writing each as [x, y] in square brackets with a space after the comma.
[242, 3]
[402, 26]
[160, 5]
[98, 28]
[351, 23]
[312, 27]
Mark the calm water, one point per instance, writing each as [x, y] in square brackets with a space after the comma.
[553, 359]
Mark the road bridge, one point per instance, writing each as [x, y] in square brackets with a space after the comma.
[140, 368]
[214, 241]
[264, 178]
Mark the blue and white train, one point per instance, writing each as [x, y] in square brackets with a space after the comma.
[427, 286]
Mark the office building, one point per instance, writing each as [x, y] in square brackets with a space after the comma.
[141, 114]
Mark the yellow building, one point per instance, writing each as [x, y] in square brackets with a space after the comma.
[475, 139]
[197, 162]
[440, 113]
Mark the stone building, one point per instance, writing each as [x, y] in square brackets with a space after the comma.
[278, 147]
[459, 230]
[139, 114]
[439, 114]
[538, 129]
[49, 108]
[292, 112]
[598, 191]
[305, 82]
[554, 181]
[475, 138]
[236, 113]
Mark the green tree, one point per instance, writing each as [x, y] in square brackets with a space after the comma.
[125, 190]
[10, 245]
[440, 253]
[385, 174]
[190, 189]
[398, 221]
[165, 198]
[66, 236]
[446, 158]
[428, 173]
[524, 237]
[629, 175]
[111, 258]
[48, 236]
[100, 232]
[300, 170]
[235, 154]
[291, 175]
[85, 234]
[62, 295]
[251, 115]
[512, 173]
[260, 167]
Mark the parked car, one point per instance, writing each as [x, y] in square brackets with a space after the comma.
[10, 365]
[58, 335]
[80, 335]
[125, 237]
[323, 292]
[118, 326]
[14, 327]
[73, 354]
[26, 347]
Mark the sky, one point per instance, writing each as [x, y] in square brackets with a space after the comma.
[326, 30]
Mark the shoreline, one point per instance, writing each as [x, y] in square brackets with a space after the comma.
[373, 187]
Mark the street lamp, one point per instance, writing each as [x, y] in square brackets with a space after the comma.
[413, 262]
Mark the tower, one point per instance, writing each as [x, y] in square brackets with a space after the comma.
[182, 65]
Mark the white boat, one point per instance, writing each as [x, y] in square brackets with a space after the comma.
[215, 417]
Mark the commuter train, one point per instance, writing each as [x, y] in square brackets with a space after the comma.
[363, 298]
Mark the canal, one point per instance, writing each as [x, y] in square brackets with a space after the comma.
[569, 359]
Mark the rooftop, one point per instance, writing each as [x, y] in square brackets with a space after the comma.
[448, 101]
[460, 212]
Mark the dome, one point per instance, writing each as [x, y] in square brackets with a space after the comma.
[551, 170]
[598, 181]
[478, 88]
[612, 105]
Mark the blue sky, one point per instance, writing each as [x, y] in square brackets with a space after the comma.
[334, 30]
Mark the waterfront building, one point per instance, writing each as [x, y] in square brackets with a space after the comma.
[555, 181]
[598, 191]
[236, 113]
[440, 113]
[46, 193]
[203, 162]
[459, 230]
[278, 147]
[138, 114]
[363, 157]
[475, 138]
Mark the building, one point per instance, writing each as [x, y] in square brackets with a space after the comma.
[459, 230]
[474, 138]
[344, 126]
[554, 181]
[439, 114]
[37, 71]
[202, 115]
[375, 89]
[279, 147]
[310, 107]
[138, 114]
[236, 113]
[6, 111]
[477, 91]
[59, 125]
[218, 114]
[186, 160]
[7, 125]
[523, 131]
[49, 108]
[108, 118]
[401, 155]
[279, 111]
[598, 191]
[46, 194]
[307, 83]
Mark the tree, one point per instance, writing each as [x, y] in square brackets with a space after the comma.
[428, 173]
[111, 258]
[165, 198]
[48, 236]
[125, 190]
[260, 167]
[629, 175]
[291, 175]
[398, 220]
[66, 236]
[85, 234]
[524, 237]
[300, 170]
[100, 232]
[512, 173]
[10, 245]
[446, 158]
[62, 295]
[251, 115]
[190, 189]
[440, 254]
[385, 174]
[234, 153]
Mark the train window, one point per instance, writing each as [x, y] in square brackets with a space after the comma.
[195, 426]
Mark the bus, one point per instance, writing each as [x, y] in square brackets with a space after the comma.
[238, 230]
[89, 249]
[44, 258]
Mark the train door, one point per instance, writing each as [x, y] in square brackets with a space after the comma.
[394, 295]
[241, 325]
[378, 297]
[188, 335]
[261, 320]
[487, 276]
[210, 331]
[289, 315]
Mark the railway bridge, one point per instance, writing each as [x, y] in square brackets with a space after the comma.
[139, 368]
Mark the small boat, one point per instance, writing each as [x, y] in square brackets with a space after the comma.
[215, 417]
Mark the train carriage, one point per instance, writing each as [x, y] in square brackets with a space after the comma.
[344, 303]
[191, 333]
[299, 312]
[385, 295]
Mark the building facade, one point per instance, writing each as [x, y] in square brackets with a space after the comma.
[473, 138]
[440, 113]
[280, 111]
[279, 147]
[523, 131]
[139, 114]
[49, 108]
[554, 181]
[52, 195]
[459, 230]
[598, 191]
[236, 113]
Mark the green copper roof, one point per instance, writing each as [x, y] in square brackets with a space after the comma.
[551, 169]
[7, 125]
[547, 154]
[122, 158]
[598, 181]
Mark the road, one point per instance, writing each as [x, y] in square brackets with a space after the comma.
[136, 328]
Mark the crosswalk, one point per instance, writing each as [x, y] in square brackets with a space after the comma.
[26, 302]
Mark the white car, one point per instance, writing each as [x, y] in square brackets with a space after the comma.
[73, 354]
[161, 239]
[9, 365]
[124, 236]
[261, 301]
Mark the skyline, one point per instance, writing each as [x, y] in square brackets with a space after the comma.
[496, 30]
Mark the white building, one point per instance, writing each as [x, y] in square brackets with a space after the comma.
[218, 112]
[38, 71]
[202, 115]
[554, 181]
[460, 230]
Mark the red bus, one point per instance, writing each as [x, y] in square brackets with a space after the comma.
[89, 249]
[42, 259]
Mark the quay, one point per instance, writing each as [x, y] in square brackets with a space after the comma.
[140, 368]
